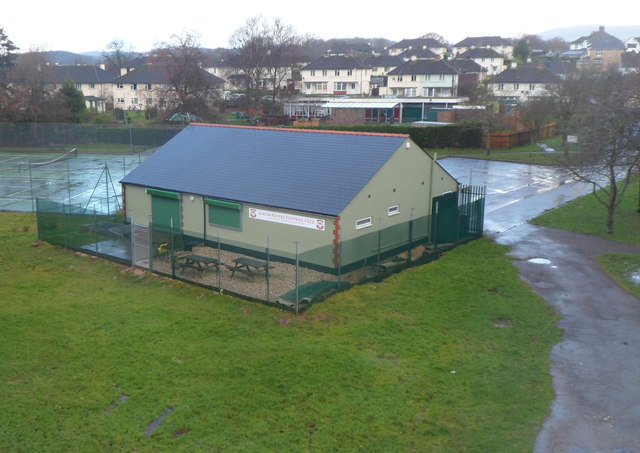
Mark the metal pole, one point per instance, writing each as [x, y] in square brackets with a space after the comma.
[31, 186]
[297, 275]
[267, 269]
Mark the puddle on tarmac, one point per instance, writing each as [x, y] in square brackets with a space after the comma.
[540, 261]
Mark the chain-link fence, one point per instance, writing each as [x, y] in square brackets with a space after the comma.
[63, 135]
[291, 278]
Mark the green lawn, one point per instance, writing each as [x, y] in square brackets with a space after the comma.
[528, 154]
[452, 356]
[587, 215]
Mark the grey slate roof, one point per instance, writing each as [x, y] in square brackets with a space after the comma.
[526, 74]
[77, 74]
[424, 67]
[464, 66]
[334, 62]
[480, 52]
[482, 41]
[153, 73]
[417, 43]
[601, 40]
[313, 171]
[417, 54]
[383, 61]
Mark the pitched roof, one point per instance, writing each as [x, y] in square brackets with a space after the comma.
[481, 41]
[303, 170]
[481, 52]
[418, 53]
[424, 67]
[334, 62]
[153, 73]
[464, 66]
[77, 74]
[383, 61]
[601, 40]
[526, 74]
[417, 43]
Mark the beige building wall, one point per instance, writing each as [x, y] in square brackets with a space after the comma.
[409, 180]
[329, 81]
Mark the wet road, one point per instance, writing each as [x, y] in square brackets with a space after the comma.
[596, 366]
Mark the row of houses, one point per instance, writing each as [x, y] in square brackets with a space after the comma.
[412, 68]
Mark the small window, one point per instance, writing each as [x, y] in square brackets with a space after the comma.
[313, 73]
[393, 210]
[363, 223]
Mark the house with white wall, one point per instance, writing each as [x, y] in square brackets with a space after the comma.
[501, 45]
[94, 82]
[337, 75]
[524, 83]
[426, 78]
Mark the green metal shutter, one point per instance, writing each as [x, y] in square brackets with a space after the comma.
[165, 212]
[224, 213]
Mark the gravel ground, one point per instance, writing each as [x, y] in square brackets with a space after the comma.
[282, 276]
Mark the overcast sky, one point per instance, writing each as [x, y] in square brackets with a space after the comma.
[80, 26]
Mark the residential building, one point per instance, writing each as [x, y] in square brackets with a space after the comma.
[335, 74]
[633, 44]
[149, 86]
[520, 84]
[94, 82]
[431, 44]
[426, 78]
[379, 66]
[501, 45]
[600, 51]
[491, 60]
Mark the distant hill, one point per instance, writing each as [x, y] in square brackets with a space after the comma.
[69, 58]
[570, 34]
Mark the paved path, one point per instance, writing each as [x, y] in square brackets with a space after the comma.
[596, 366]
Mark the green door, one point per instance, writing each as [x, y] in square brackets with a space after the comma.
[444, 218]
[165, 213]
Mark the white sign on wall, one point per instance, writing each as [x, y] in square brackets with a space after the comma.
[287, 219]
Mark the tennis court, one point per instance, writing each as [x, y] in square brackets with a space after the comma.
[87, 180]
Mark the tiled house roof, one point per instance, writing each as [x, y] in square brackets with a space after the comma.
[334, 62]
[78, 74]
[152, 73]
[526, 74]
[424, 67]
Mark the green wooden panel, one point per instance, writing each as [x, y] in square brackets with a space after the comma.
[165, 212]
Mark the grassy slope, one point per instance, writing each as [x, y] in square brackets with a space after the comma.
[414, 363]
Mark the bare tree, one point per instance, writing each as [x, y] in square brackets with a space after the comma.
[190, 88]
[118, 54]
[535, 113]
[266, 52]
[608, 125]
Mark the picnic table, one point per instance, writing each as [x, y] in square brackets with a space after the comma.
[248, 266]
[197, 262]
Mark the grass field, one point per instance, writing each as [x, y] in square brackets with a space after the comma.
[587, 215]
[452, 356]
[526, 154]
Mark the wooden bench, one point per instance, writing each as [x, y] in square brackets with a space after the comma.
[197, 262]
